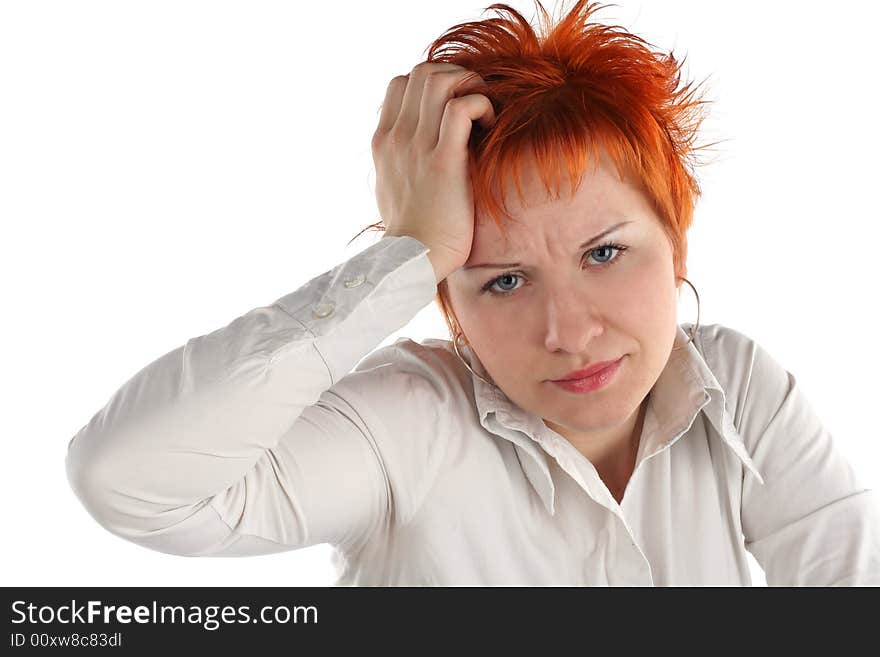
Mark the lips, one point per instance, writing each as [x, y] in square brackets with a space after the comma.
[592, 369]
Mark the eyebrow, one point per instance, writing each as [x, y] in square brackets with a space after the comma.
[592, 240]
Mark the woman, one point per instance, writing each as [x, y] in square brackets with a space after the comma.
[493, 458]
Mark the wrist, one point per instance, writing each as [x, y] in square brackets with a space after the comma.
[442, 268]
[443, 265]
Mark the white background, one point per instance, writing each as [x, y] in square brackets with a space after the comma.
[167, 166]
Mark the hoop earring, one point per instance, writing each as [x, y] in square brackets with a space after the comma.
[455, 346]
[693, 330]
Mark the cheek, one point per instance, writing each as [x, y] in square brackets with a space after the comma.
[651, 297]
[483, 326]
[476, 318]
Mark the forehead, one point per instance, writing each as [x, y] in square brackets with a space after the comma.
[601, 199]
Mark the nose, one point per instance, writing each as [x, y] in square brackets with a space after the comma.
[571, 323]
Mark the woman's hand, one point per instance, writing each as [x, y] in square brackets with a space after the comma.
[420, 150]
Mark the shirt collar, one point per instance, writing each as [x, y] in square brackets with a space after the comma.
[685, 387]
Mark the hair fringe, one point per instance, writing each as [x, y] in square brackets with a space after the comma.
[564, 90]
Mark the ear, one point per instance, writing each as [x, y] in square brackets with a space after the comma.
[681, 273]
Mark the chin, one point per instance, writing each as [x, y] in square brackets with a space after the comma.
[592, 416]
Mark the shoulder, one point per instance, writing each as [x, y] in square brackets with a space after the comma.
[411, 374]
[409, 402]
[432, 360]
[724, 347]
[747, 372]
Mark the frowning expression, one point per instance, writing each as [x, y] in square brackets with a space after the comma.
[579, 279]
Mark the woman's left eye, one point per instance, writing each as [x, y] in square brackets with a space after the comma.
[618, 249]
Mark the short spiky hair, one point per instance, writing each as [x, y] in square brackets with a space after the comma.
[566, 91]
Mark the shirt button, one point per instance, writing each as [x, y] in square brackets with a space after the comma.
[323, 309]
[354, 281]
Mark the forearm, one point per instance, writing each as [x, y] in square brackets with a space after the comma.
[199, 419]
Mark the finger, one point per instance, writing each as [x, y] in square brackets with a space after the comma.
[408, 118]
[458, 118]
[391, 105]
[441, 87]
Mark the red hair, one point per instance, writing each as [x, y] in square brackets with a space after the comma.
[566, 91]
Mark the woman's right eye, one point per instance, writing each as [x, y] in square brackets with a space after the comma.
[488, 286]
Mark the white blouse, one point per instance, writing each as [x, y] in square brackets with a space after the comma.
[288, 428]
